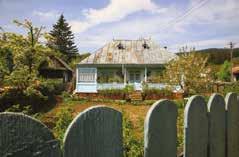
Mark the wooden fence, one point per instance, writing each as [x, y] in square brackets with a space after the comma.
[211, 130]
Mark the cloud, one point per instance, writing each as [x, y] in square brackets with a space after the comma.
[47, 15]
[212, 25]
[115, 11]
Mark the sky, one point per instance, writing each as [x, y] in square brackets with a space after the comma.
[172, 23]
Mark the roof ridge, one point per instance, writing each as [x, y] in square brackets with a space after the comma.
[141, 39]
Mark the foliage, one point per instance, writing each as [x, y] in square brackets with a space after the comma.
[133, 147]
[190, 71]
[6, 63]
[149, 93]
[18, 108]
[117, 93]
[128, 88]
[20, 78]
[112, 92]
[77, 59]
[217, 56]
[31, 52]
[116, 79]
[63, 39]
[109, 76]
[225, 72]
[64, 118]
[20, 58]
[39, 95]
[234, 87]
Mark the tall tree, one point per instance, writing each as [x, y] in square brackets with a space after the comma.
[190, 71]
[63, 38]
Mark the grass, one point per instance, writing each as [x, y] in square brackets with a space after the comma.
[134, 112]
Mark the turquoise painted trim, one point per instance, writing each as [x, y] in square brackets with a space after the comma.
[86, 87]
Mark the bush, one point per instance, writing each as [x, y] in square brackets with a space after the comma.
[113, 93]
[128, 88]
[38, 95]
[154, 93]
[225, 71]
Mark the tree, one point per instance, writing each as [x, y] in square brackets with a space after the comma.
[62, 39]
[225, 72]
[33, 47]
[190, 71]
[23, 54]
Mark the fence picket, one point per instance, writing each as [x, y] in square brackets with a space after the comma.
[160, 133]
[232, 107]
[217, 126]
[23, 136]
[195, 128]
[96, 132]
[210, 130]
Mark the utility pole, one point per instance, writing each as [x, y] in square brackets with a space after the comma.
[231, 44]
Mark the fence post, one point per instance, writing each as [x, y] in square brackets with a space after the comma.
[96, 132]
[217, 126]
[195, 128]
[21, 135]
[232, 125]
[160, 132]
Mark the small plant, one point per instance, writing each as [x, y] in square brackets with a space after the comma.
[133, 147]
[64, 118]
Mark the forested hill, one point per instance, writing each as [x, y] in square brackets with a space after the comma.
[218, 56]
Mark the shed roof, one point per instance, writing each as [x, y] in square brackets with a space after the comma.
[142, 51]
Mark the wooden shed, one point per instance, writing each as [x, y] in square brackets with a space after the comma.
[56, 68]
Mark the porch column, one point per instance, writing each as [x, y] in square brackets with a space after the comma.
[125, 76]
[145, 74]
[96, 71]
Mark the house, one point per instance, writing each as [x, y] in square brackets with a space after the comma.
[56, 68]
[119, 63]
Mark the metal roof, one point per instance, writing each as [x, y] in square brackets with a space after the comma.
[142, 51]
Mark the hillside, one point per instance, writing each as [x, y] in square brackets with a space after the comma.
[218, 56]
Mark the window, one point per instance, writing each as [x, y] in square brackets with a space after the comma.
[87, 75]
[120, 46]
[145, 46]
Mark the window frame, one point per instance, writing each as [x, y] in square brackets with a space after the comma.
[91, 72]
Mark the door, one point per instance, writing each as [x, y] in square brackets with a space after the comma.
[135, 79]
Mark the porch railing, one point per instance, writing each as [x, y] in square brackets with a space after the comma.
[102, 86]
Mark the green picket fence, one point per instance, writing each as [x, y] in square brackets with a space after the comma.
[210, 130]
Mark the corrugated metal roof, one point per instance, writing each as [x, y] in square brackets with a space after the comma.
[133, 52]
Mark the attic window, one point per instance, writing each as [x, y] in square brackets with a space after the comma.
[145, 46]
[120, 46]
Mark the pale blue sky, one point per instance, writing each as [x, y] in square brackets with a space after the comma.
[172, 23]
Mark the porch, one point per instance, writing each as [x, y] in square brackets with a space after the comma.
[92, 79]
